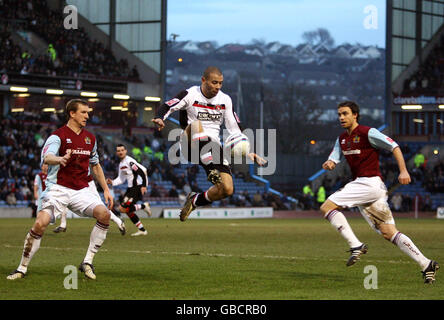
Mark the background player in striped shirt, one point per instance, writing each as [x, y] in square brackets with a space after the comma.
[69, 151]
[136, 176]
[359, 144]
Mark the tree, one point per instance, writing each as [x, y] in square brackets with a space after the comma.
[319, 36]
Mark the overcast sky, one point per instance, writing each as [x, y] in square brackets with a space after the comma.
[240, 21]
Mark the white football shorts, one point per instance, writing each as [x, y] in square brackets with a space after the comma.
[56, 198]
[369, 194]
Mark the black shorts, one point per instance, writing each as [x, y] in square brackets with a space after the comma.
[219, 165]
[133, 195]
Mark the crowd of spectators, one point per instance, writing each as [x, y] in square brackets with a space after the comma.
[20, 145]
[430, 74]
[25, 133]
[434, 178]
[70, 52]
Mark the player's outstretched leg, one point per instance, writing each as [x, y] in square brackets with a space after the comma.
[32, 244]
[135, 219]
[189, 205]
[428, 267]
[145, 207]
[219, 191]
[340, 223]
[98, 236]
[129, 208]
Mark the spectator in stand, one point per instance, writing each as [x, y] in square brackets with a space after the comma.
[247, 198]
[173, 192]
[406, 203]
[192, 173]
[179, 182]
[427, 203]
[320, 196]
[11, 199]
[187, 188]
[154, 191]
[308, 196]
[257, 200]
[396, 202]
[156, 176]
[195, 187]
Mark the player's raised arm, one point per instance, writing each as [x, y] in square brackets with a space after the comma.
[168, 107]
[333, 158]
[404, 176]
[379, 140]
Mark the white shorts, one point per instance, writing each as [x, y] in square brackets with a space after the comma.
[56, 198]
[369, 194]
[92, 187]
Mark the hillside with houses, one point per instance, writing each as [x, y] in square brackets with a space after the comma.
[298, 85]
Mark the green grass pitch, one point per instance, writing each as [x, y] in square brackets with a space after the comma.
[263, 259]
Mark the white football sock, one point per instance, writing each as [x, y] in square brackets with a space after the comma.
[32, 244]
[338, 220]
[406, 245]
[63, 220]
[115, 218]
[98, 236]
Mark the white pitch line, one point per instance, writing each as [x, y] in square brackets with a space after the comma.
[223, 255]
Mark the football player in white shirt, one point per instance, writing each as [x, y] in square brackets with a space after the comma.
[135, 175]
[203, 109]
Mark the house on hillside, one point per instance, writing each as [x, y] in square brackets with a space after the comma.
[306, 54]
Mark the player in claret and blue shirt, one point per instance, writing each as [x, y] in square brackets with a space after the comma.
[359, 144]
[69, 151]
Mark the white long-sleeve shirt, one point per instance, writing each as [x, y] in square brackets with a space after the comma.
[132, 172]
[211, 112]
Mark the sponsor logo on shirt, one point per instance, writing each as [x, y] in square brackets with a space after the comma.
[172, 102]
[68, 140]
[350, 152]
[205, 116]
[343, 141]
[208, 106]
[85, 152]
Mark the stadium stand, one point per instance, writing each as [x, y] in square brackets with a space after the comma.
[25, 134]
[67, 53]
[429, 76]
